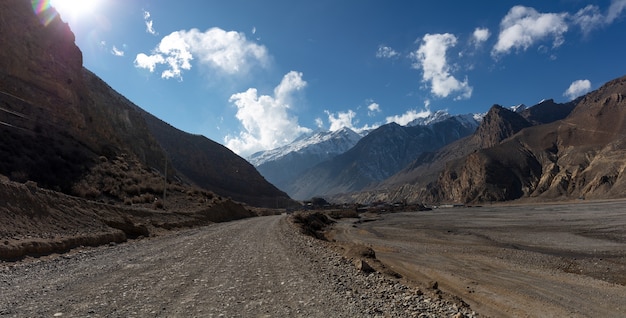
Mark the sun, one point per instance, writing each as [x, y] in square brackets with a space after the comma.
[75, 9]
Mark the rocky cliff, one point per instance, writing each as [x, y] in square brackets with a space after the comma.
[423, 181]
[581, 156]
[62, 126]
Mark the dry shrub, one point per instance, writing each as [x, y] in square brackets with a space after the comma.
[158, 205]
[85, 190]
[313, 223]
[342, 214]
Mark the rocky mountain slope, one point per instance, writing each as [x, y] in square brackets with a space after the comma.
[581, 156]
[61, 125]
[212, 166]
[282, 165]
[418, 182]
[380, 154]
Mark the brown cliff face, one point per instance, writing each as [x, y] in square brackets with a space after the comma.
[470, 169]
[44, 56]
[499, 123]
[581, 156]
[62, 126]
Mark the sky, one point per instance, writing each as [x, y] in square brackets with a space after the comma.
[255, 75]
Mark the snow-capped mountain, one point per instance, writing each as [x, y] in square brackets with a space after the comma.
[471, 120]
[519, 108]
[320, 143]
[279, 166]
[437, 116]
[379, 155]
[284, 166]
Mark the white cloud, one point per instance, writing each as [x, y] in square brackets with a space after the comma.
[386, 52]
[372, 109]
[431, 58]
[340, 120]
[266, 120]
[319, 122]
[346, 119]
[227, 52]
[524, 26]
[615, 10]
[149, 23]
[117, 52]
[148, 61]
[577, 88]
[590, 17]
[408, 117]
[480, 35]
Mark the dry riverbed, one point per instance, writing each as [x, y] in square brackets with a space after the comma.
[565, 260]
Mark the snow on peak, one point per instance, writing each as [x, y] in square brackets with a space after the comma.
[518, 108]
[325, 143]
[468, 120]
[435, 117]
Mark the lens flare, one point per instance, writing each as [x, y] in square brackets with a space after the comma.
[44, 11]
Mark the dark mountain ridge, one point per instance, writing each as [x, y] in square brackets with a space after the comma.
[283, 165]
[380, 154]
[419, 181]
[61, 124]
[580, 156]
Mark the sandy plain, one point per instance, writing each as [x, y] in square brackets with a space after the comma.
[550, 260]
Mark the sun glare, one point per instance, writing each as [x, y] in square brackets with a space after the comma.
[75, 9]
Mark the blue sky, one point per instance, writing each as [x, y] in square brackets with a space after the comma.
[254, 75]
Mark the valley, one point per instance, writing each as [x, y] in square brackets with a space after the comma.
[549, 260]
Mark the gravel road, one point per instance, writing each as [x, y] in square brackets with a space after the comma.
[258, 267]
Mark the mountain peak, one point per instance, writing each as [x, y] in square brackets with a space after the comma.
[435, 117]
[323, 143]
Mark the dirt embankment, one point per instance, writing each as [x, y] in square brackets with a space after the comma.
[35, 221]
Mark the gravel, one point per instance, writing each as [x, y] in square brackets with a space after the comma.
[258, 267]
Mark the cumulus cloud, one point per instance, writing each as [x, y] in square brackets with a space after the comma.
[149, 23]
[227, 52]
[523, 26]
[266, 120]
[117, 52]
[480, 35]
[372, 109]
[577, 88]
[408, 117]
[346, 119]
[386, 52]
[340, 119]
[431, 58]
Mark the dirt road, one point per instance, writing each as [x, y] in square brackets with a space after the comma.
[510, 261]
[250, 268]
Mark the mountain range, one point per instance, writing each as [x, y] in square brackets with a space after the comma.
[282, 165]
[336, 162]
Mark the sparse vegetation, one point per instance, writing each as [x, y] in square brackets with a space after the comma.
[312, 223]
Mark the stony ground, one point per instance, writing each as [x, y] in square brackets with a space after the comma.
[259, 267]
[549, 260]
